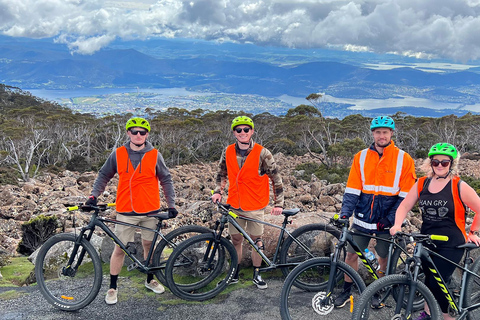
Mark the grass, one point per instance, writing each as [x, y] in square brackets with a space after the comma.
[18, 272]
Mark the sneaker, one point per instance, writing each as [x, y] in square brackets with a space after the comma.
[233, 281]
[424, 316]
[258, 281]
[154, 286]
[342, 299]
[111, 297]
[376, 302]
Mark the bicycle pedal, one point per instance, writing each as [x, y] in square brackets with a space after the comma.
[132, 266]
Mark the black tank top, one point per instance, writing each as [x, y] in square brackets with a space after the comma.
[438, 214]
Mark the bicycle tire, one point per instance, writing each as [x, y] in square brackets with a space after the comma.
[185, 272]
[383, 289]
[296, 303]
[166, 246]
[72, 292]
[318, 237]
[472, 291]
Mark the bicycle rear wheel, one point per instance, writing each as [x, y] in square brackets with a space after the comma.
[315, 302]
[166, 246]
[392, 291]
[68, 286]
[472, 291]
[199, 268]
[314, 240]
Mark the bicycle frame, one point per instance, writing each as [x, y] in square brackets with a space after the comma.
[97, 221]
[422, 252]
[231, 217]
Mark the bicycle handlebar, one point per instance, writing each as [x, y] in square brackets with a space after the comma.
[100, 207]
[421, 237]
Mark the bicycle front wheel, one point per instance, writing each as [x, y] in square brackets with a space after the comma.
[315, 302]
[166, 246]
[472, 291]
[309, 241]
[69, 278]
[199, 268]
[391, 291]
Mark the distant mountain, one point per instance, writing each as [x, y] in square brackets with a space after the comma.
[228, 68]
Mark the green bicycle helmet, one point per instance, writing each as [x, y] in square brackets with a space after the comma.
[138, 122]
[382, 122]
[242, 120]
[443, 148]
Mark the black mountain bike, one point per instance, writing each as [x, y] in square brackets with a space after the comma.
[464, 301]
[323, 278]
[69, 271]
[203, 266]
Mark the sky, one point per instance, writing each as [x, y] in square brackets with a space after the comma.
[436, 29]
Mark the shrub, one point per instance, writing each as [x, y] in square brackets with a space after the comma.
[35, 232]
[8, 176]
[331, 174]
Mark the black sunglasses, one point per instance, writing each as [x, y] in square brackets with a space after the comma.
[239, 130]
[135, 132]
[444, 163]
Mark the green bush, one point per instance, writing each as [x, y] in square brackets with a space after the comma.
[8, 176]
[35, 232]
[336, 174]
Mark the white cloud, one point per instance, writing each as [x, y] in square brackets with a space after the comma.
[427, 28]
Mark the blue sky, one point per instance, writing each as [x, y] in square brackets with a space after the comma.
[446, 29]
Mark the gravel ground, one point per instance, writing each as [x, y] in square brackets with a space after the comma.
[136, 302]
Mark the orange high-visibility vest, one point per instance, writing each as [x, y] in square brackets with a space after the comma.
[138, 189]
[457, 202]
[247, 190]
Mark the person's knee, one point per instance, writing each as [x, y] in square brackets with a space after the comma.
[118, 252]
[237, 239]
[351, 257]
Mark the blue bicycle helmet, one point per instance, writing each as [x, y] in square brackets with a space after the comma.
[382, 122]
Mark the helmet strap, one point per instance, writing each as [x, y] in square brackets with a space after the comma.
[445, 176]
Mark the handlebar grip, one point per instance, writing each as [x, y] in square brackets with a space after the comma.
[438, 237]
[111, 204]
[73, 208]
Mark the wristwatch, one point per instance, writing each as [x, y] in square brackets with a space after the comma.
[476, 233]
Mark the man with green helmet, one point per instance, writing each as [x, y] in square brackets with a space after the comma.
[442, 197]
[140, 168]
[248, 167]
[379, 179]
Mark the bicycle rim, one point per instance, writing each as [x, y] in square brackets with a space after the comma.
[393, 305]
[316, 303]
[472, 291]
[197, 272]
[68, 287]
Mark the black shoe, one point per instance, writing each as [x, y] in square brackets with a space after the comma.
[342, 299]
[376, 302]
[258, 281]
[233, 281]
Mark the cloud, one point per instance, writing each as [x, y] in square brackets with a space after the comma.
[427, 28]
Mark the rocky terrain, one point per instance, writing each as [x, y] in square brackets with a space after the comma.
[47, 194]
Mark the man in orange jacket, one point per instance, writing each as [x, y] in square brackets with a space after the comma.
[139, 167]
[379, 180]
[247, 166]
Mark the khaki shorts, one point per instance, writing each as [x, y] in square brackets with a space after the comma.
[126, 234]
[252, 228]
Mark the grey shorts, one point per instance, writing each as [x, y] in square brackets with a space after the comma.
[381, 247]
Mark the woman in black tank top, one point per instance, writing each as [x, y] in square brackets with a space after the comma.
[442, 199]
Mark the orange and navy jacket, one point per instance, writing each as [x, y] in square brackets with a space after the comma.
[376, 186]
[247, 189]
[138, 189]
[460, 209]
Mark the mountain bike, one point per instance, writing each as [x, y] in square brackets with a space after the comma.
[203, 266]
[69, 271]
[464, 301]
[323, 277]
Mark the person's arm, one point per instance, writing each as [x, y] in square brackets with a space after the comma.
[471, 199]
[353, 189]
[105, 174]
[407, 180]
[405, 206]
[221, 179]
[165, 178]
[269, 167]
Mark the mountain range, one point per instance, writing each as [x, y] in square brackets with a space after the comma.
[229, 68]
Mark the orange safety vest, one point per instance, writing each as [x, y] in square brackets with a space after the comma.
[138, 189]
[247, 190]
[457, 202]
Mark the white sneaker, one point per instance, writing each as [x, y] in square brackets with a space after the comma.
[111, 297]
[154, 286]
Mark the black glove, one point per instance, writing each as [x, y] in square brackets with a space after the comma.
[172, 212]
[92, 201]
[383, 224]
